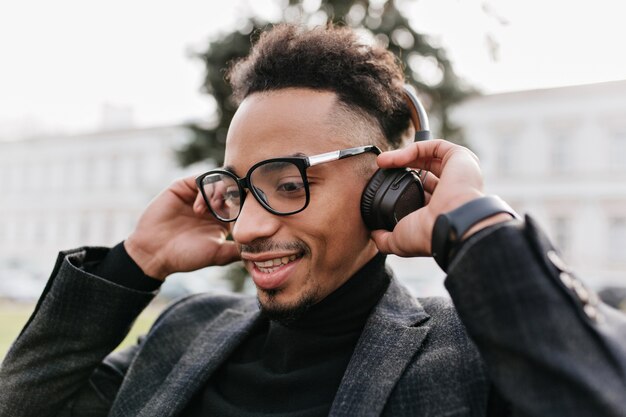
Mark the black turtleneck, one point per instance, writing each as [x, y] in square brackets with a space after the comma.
[295, 370]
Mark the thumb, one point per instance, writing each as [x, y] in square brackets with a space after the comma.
[384, 240]
[227, 253]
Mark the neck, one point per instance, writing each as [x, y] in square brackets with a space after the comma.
[347, 308]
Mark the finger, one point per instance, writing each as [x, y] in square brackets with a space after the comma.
[427, 197]
[416, 154]
[227, 253]
[388, 242]
[199, 205]
[382, 239]
[427, 155]
[429, 181]
[185, 189]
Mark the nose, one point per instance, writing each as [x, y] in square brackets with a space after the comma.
[253, 222]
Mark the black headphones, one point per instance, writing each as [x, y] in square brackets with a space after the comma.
[393, 193]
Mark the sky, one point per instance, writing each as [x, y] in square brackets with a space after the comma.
[61, 62]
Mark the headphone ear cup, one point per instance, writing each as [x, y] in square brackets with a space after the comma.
[368, 197]
[390, 195]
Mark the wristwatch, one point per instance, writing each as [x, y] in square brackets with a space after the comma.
[451, 226]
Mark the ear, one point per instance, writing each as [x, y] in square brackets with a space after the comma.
[408, 136]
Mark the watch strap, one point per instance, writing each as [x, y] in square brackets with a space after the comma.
[450, 227]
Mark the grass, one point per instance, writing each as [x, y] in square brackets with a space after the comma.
[14, 316]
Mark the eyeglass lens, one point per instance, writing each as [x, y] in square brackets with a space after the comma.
[277, 185]
[221, 193]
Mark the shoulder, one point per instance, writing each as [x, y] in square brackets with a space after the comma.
[212, 301]
[448, 373]
[185, 319]
[448, 348]
[200, 309]
[446, 334]
[445, 325]
[441, 310]
[437, 305]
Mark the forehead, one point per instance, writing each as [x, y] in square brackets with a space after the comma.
[285, 122]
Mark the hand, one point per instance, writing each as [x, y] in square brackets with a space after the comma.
[176, 233]
[452, 179]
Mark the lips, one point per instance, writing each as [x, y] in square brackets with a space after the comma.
[269, 272]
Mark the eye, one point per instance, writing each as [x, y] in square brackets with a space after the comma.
[231, 197]
[290, 186]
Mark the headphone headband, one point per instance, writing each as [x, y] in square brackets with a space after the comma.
[418, 114]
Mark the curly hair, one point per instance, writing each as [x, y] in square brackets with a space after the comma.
[327, 58]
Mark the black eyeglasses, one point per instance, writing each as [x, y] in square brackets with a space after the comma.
[279, 184]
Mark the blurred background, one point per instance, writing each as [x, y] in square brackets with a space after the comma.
[103, 104]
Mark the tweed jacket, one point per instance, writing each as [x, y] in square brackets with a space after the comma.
[524, 337]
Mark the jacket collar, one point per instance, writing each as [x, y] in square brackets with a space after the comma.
[204, 355]
[392, 335]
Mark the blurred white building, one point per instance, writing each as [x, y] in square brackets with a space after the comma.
[67, 191]
[560, 155]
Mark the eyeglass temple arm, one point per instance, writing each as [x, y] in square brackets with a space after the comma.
[205, 179]
[344, 153]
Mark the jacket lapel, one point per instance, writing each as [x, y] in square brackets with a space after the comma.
[391, 337]
[205, 354]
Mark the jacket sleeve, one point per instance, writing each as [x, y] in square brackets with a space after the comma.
[550, 346]
[56, 363]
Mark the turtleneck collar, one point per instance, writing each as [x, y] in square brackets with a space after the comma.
[346, 309]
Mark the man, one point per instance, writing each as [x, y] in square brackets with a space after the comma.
[332, 333]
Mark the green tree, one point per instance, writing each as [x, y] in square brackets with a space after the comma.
[426, 66]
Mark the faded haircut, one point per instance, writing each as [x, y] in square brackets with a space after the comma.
[367, 79]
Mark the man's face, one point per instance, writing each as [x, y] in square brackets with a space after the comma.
[297, 260]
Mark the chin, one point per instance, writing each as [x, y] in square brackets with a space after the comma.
[274, 307]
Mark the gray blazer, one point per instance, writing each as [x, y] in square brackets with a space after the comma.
[536, 334]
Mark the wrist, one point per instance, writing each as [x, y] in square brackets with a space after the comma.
[145, 259]
[452, 227]
[493, 220]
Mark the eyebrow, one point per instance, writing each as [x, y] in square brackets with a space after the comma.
[231, 169]
[274, 167]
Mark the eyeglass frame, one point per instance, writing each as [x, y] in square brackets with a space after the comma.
[301, 162]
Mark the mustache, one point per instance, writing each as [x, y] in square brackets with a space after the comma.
[268, 245]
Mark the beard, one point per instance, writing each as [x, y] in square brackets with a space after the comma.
[269, 299]
[283, 313]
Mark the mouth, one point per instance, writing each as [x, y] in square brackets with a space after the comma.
[272, 272]
[272, 265]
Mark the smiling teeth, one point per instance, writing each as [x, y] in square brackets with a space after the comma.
[272, 264]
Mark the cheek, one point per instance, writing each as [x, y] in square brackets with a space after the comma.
[338, 226]
[350, 211]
